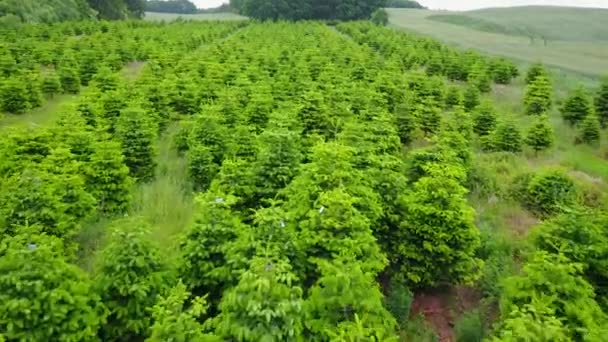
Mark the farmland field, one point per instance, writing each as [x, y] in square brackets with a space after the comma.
[577, 39]
[233, 180]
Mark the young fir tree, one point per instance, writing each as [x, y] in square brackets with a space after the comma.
[538, 96]
[43, 297]
[540, 136]
[471, 98]
[278, 160]
[105, 79]
[137, 137]
[210, 257]
[506, 138]
[439, 238]
[177, 319]
[577, 106]
[265, 305]
[51, 84]
[130, 276]
[107, 176]
[70, 81]
[480, 77]
[570, 298]
[454, 97]
[14, 96]
[484, 119]
[590, 130]
[601, 103]
[34, 89]
[428, 116]
[346, 305]
[405, 122]
[535, 71]
[202, 168]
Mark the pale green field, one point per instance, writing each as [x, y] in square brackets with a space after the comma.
[206, 16]
[583, 34]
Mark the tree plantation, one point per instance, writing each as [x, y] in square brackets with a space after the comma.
[334, 176]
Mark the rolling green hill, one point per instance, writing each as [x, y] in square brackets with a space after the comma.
[554, 23]
[576, 38]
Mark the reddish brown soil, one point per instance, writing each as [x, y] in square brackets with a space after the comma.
[441, 308]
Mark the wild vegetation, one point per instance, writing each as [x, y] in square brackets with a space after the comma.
[280, 181]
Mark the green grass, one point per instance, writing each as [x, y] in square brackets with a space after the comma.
[166, 203]
[39, 116]
[203, 16]
[578, 38]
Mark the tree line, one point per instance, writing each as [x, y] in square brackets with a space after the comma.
[20, 11]
[306, 9]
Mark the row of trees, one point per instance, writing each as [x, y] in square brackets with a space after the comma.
[306, 9]
[50, 11]
[172, 6]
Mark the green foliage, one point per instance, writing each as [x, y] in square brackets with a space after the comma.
[438, 237]
[469, 327]
[541, 135]
[405, 122]
[580, 235]
[399, 300]
[535, 71]
[14, 95]
[380, 17]
[590, 131]
[454, 97]
[471, 98]
[47, 11]
[549, 192]
[175, 319]
[484, 119]
[211, 257]
[171, 6]
[70, 81]
[51, 84]
[42, 297]
[265, 305]
[403, 4]
[137, 136]
[551, 290]
[107, 177]
[480, 77]
[428, 116]
[346, 305]
[503, 71]
[309, 9]
[130, 276]
[577, 107]
[601, 103]
[201, 167]
[506, 138]
[531, 322]
[538, 96]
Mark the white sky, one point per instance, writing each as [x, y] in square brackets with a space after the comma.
[466, 4]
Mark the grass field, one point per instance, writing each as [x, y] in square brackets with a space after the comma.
[206, 16]
[577, 39]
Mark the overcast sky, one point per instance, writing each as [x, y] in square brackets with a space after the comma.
[467, 4]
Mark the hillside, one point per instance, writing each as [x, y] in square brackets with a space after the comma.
[43, 11]
[575, 39]
[554, 23]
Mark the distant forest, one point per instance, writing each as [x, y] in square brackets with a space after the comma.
[49, 11]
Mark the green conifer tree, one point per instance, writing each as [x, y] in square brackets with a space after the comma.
[471, 98]
[601, 103]
[484, 119]
[576, 107]
[590, 131]
[130, 276]
[137, 138]
[540, 136]
[538, 96]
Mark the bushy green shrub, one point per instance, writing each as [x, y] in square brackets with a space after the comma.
[469, 327]
[549, 192]
[131, 274]
[51, 84]
[137, 136]
[541, 135]
[505, 138]
[538, 97]
[601, 103]
[536, 70]
[14, 95]
[43, 297]
[380, 17]
[471, 98]
[484, 119]
[590, 130]
[399, 300]
[577, 107]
